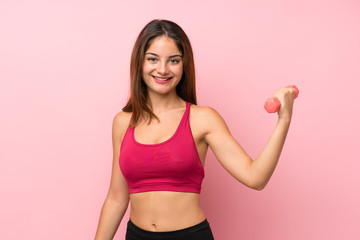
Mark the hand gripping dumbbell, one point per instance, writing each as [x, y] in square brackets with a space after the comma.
[273, 104]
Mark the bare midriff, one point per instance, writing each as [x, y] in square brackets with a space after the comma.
[162, 211]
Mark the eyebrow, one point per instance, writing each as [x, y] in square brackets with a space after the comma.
[172, 56]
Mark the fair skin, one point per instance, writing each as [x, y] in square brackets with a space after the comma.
[166, 210]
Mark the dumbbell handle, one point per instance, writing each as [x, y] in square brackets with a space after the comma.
[273, 104]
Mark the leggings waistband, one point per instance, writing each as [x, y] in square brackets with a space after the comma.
[141, 233]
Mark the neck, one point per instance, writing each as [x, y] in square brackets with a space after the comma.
[163, 102]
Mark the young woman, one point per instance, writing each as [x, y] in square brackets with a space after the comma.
[160, 140]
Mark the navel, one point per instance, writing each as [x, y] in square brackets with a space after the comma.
[153, 226]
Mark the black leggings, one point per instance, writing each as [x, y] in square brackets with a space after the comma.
[199, 231]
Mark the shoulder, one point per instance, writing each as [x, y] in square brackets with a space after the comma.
[205, 117]
[120, 123]
[122, 118]
[205, 113]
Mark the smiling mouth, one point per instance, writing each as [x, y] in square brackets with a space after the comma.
[162, 78]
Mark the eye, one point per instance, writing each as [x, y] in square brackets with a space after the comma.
[152, 59]
[174, 61]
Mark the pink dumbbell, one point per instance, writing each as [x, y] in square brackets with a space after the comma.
[273, 104]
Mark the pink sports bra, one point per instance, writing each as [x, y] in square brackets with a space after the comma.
[173, 165]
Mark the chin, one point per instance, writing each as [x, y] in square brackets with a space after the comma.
[162, 90]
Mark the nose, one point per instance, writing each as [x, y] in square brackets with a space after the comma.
[163, 68]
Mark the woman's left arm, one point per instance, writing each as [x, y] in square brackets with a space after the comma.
[252, 173]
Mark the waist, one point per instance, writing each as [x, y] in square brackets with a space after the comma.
[165, 210]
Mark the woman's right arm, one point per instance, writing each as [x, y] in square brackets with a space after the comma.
[117, 199]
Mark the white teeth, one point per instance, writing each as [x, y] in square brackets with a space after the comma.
[162, 79]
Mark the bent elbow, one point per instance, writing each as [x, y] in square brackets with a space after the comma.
[258, 186]
[257, 183]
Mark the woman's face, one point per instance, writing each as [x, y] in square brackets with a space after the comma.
[163, 66]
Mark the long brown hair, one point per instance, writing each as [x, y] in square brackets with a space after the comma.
[138, 102]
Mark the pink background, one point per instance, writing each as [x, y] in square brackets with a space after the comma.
[64, 70]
